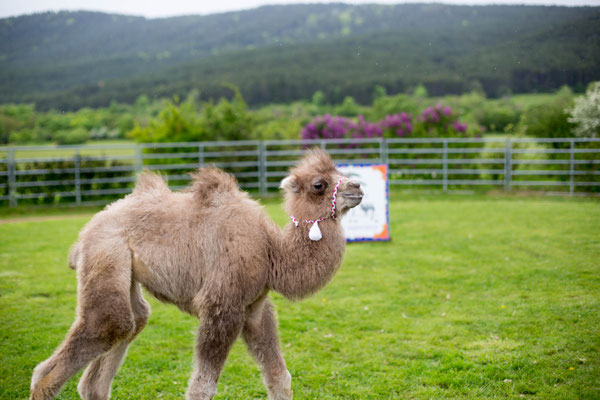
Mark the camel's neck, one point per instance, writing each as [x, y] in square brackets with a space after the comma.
[300, 266]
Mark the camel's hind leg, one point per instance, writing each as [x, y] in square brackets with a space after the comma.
[95, 384]
[105, 318]
[260, 334]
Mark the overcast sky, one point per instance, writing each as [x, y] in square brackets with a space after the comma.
[162, 8]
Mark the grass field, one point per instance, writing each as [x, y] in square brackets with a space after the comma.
[474, 298]
[51, 152]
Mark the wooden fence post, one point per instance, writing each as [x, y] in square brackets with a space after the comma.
[139, 162]
[383, 156]
[572, 168]
[507, 164]
[12, 181]
[445, 165]
[201, 155]
[262, 167]
[77, 165]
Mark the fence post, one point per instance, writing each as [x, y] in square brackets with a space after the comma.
[139, 162]
[445, 165]
[323, 144]
[507, 164]
[572, 168]
[77, 164]
[12, 181]
[383, 151]
[201, 155]
[262, 167]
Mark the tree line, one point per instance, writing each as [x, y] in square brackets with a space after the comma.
[66, 61]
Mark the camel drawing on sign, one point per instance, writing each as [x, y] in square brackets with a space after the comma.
[368, 209]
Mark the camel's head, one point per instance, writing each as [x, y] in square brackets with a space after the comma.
[310, 186]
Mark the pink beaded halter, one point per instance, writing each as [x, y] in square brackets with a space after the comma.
[315, 232]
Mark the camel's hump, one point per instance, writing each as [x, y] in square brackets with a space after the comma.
[213, 180]
[150, 181]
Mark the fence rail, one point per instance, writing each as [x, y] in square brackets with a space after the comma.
[99, 173]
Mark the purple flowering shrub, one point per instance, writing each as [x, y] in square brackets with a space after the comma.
[368, 130]
[328, 127]
[398, 125]
[438, 121]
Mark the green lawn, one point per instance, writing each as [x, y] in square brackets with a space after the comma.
[475, 297]
[86, 151]
[532, 99]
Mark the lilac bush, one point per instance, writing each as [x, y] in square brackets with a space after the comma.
[367, 130]
[328, 127]
[438, 121]
[398, 125]
[459, 127]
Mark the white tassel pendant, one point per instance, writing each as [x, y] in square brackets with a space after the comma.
[315, 232]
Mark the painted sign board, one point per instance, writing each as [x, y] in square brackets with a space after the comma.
[370, 220]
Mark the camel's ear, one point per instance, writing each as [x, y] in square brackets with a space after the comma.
[289, 183]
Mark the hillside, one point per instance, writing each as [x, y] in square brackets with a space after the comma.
[282, 53]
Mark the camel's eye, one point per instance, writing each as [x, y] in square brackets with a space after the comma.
[319, 186]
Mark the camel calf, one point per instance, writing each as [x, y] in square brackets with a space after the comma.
[214, 253]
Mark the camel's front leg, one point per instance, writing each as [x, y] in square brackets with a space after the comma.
[260, 333]
[219, 330]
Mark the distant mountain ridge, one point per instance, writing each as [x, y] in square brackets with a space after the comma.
[282, 53]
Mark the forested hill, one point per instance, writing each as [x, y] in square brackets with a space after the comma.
[282, 53]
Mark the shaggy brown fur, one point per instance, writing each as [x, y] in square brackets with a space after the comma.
[213, 252]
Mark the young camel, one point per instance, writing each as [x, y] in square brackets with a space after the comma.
[212, 252]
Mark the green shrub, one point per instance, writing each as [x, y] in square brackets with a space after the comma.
[420, 92]
[54, 122]
[278, 129]
[348, 108]
[497, 116]
[4, 135]
[549, 120]
[390, 105]
[65, 180]
[181, 122]
[103, 133]
[72, 136]
[467, 105]
[318, 98]
[3, 183]
[23, 136]
[177, 122]
[379, 92]
[227, 120]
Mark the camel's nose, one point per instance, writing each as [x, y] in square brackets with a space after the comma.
[353, 184]
[355, 187]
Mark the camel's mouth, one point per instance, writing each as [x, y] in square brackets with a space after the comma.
[352, 199]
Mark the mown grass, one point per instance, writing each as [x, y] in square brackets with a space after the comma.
[532, 99]
[474, 298]
[84, 151]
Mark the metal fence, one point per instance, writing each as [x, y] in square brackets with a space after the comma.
[78, 175]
